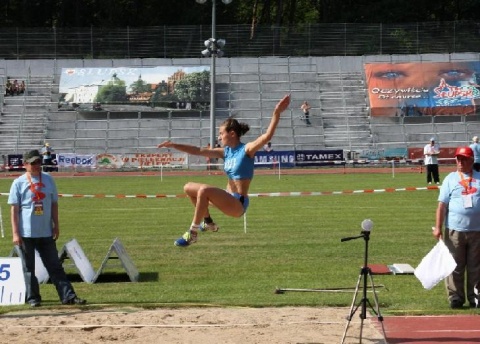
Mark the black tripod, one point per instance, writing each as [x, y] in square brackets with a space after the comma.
[365, 273]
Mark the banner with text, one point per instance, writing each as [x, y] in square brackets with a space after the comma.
[154, 160]
[76, 160]
[119, 161]
[287, 159]
[267, 159]
[427, 88]
[318, 157]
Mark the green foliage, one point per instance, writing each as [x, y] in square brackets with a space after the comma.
[194, 87]
[140, 86]
[114, 92]
[121, 13]
[290, 242]
[404, 39]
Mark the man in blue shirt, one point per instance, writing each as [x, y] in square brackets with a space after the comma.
[475, 146]
[459, 210]
[34, 215]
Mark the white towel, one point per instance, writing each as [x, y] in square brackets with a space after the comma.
[435, 266]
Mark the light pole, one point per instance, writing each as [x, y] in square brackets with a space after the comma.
[213, 49]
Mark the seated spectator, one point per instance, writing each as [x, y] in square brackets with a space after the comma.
[8, 88]
[22, 87]
[16, 87]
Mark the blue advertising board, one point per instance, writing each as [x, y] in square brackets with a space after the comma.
[303, 158]
[266, 159]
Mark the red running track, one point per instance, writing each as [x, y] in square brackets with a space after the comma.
[441, 329]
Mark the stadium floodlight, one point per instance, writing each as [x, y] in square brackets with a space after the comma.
[209, 42]
[220, 43]
[213, 50]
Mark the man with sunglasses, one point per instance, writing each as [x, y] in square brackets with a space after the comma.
[34, 215]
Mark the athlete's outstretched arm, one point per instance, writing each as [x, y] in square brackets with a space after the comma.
[193, 150]
[253, 146]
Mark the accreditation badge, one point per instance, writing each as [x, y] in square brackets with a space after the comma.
[467, 201]
[38, 208]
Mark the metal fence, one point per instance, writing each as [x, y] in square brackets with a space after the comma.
[345, 39]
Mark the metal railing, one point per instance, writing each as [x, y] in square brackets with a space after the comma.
[341, 39]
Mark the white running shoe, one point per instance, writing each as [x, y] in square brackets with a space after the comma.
[209, 227]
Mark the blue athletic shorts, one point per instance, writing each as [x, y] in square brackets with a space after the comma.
[244, 200]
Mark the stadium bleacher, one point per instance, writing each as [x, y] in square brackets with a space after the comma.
[247, 88]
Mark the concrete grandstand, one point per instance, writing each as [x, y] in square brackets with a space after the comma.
[247, 88]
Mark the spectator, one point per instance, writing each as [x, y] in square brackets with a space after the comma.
[22, 87]
[47, 157]
[306, 112]
[15, 87]
[431, 152]
[9, 88]
[268, 148]
[475, 146]
[459, 210]
[34, 216]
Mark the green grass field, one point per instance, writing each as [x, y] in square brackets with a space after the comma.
[291, 242]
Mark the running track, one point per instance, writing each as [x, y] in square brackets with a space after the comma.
[454, 329]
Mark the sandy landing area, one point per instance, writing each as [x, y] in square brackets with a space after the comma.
[186, 325]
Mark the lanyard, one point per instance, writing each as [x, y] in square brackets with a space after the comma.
[36, 188]
[466, 183]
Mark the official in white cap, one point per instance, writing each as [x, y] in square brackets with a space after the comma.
[475, 146]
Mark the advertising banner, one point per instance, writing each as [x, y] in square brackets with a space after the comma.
[108, 161]
[267, 159]
[318, 157]
[162, 87]
[447, 154]
[14, 161]
[418, 89]
[153, 160]
[76, 160]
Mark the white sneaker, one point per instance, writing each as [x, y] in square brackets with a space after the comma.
[209, 227]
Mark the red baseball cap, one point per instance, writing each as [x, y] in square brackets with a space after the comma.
[464, 151]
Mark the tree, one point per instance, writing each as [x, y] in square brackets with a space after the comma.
[141, 13]
[193, 87]
[140, 86]
[114, 92]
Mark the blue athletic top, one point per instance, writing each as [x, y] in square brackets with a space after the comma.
[458, 216]
[30, 224]
[238, 165]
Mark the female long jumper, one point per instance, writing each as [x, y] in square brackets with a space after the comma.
[238, 165]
